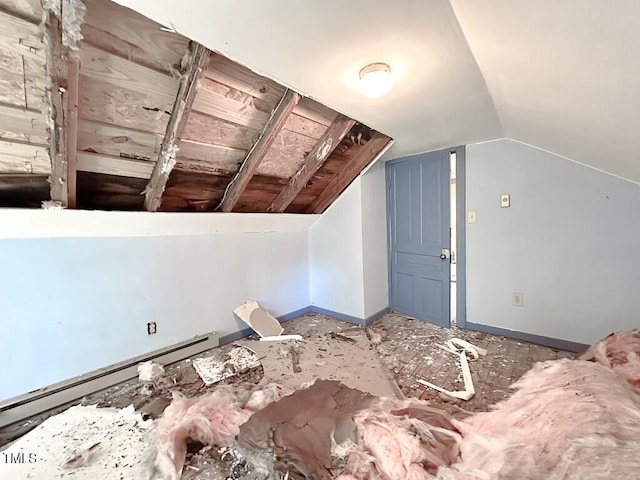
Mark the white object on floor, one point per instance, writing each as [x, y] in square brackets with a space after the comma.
[212, 370]
[113, 444]
[460, 347]
[150, 371]
[262, 323]
[278, 338]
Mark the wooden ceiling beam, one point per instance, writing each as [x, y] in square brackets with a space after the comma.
[363, 157]
[57, 73]
[312, 163]
[257, 153]
[199, 57]
[63, 70]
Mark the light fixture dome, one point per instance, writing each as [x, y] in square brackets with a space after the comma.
[375, 80]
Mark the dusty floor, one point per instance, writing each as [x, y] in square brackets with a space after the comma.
[407, 353]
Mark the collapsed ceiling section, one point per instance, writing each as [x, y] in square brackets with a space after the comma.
[101, 108]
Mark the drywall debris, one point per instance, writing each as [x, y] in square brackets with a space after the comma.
[212, 419]
[150, 371]
[52, 205]
[84, 443]
[262, 323]
[281, 338]
[461, 348]
[214, 369]
[295, 360]
[331, 431]
[344, 338]
[376, 334]
[82, 458]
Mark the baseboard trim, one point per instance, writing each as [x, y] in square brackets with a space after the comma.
[24, 406]
[362, 322]
[557, 343]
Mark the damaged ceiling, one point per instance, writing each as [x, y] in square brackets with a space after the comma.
[102, 108]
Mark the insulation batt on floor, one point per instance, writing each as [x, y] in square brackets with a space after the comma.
[567, 419]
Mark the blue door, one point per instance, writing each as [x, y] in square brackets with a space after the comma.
[418, 189]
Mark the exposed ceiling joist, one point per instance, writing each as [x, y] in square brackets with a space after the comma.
[361, 159]
[312, 163]
[199, 57]
[58, 77]
[251, 163]
[70, 104]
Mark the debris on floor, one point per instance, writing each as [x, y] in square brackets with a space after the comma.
[460, 348]
[326, 407]
[221, 366]
[262, 323]
[150, 371]
[212, 419]
[84, 443]
[620, 351]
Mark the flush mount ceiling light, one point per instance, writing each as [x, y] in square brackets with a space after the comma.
[375, 80]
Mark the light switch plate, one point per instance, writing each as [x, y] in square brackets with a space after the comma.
[505, 200]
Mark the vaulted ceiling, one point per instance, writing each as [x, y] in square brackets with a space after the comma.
[562, 76]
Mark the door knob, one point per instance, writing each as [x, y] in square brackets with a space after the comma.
[445, 253]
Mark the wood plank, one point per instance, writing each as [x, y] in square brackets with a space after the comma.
[21, 120]
[57, 75]
[23, 190]
[363, 157]
[18, 157]
[315, 159]
[35, 78]
[127, 34]
[100, 65]
[96, 137]
[259, 150]
[188, 191]
[199, 57]
[228, 104]
[286, 154]
[113, 105]
[109, 192]
[22, 37]
[223, 157]
[12, 79]
[70, 98]
[207, 129]
[230, 73]
[315, 111]
[30, 10]
[304, 126]
[109, 165]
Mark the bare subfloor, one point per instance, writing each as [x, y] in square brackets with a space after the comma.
[408, 352]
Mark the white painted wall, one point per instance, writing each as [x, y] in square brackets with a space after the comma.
[568, 243]
[72, 305]
[335, 256]
[374, 240]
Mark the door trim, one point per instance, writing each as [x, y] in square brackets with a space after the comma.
[460, 248]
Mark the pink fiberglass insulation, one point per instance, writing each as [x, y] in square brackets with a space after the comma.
[331, 431]
[568, 419]
[620, 351]
[212, 419]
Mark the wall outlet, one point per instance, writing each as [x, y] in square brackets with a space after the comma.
[151, 328]
[472, 217]
[505, 200]
[517, 299]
